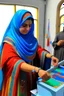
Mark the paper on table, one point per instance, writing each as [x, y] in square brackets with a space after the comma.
[34, 91]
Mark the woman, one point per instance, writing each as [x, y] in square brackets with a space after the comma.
[19, 49]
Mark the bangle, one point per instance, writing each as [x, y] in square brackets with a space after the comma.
[39, 70]
[52, 56]
[33, 70]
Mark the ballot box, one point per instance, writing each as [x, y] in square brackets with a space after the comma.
[54, 86]
[44, 89]
[47, 90]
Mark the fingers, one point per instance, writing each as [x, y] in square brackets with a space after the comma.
[46, 76]
[55, 61]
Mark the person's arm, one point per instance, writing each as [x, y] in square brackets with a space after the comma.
[60, 43]
[41, 73]
[57, 43]
[53, 58]
[28, 68]
[43, 54]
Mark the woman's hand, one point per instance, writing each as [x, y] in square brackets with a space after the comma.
[54, 61]
[44, 75]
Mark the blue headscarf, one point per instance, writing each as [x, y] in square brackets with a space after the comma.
[25, 44]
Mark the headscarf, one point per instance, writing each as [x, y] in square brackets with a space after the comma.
[24, 44]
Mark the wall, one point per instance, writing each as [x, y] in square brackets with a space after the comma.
[51, 10]
[36, 3]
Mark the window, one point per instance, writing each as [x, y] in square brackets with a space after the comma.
[60, 17]
[7, 12]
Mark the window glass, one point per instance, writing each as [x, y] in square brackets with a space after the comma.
[6, 13]
[61, 17]
[61, 27]
[61, 11]
[62, 5]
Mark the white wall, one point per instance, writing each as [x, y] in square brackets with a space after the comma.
[36, 3]
[51, 10]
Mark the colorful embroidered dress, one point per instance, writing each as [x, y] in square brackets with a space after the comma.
[18, 48]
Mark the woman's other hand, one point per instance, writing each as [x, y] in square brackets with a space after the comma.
[54, 61]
